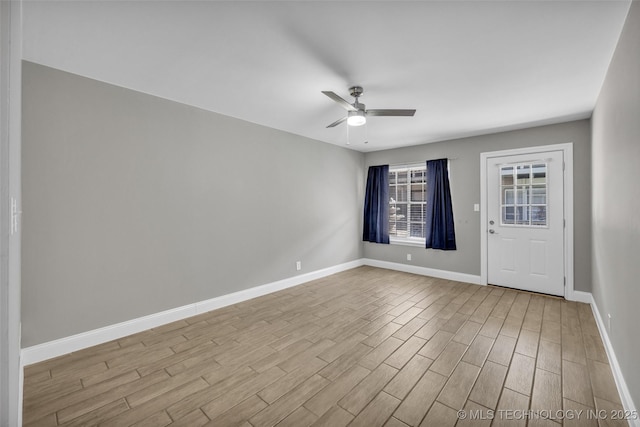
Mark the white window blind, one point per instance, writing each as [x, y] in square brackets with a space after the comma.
[407, 202]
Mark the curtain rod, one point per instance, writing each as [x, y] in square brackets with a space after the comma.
[419, 163]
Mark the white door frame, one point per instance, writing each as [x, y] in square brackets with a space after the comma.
[567, 149]
[11, 373]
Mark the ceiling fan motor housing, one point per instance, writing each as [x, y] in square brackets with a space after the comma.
[356, 91]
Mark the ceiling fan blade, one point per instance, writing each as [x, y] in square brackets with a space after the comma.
[340, 101]
[383, 112]
[337, 122]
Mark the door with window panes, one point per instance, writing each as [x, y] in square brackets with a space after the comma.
[407, 188]
[525, 214]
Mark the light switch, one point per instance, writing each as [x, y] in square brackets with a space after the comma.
[476, 207]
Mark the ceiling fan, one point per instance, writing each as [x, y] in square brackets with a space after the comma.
[356, 112]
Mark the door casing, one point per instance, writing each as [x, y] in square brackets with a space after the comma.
[567, 149]
[11, 372]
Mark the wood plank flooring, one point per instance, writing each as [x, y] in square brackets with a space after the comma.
[366, 347]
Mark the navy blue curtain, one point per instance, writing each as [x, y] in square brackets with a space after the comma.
[376, 205]
[439, 229]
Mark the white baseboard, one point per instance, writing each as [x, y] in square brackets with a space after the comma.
[20, 390]
[625, 395]
[59, 347]
[247, 294]
[580, 296]
[424, 271]
[77, 342]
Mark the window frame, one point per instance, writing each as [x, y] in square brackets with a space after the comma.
[407, 241]
[528, 201]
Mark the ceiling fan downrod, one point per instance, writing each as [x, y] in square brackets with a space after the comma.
[356, 92]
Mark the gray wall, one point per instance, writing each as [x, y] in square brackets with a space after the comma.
[465, 189]
[616, 200]
[135, 204]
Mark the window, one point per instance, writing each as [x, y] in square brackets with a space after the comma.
[407, 201]
[524, 195]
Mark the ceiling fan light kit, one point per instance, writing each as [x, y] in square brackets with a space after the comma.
[356, 118]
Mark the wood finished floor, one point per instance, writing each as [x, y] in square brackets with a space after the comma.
[366, 347]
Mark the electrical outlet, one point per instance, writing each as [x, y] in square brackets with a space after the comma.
[298, 265]
[408, 257]
[609, 322]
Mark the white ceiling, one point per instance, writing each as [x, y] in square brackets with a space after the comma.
[468, 67]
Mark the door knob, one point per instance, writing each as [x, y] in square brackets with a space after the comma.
[492, 231]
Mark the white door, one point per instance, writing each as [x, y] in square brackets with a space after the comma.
[525, 215]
